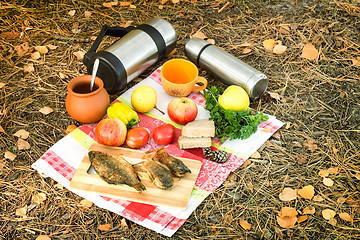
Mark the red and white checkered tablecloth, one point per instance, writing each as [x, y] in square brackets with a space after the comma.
[61, 161]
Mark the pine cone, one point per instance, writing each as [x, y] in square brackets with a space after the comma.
[219, 156]
[207, 152]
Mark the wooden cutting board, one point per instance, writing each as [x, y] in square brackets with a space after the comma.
[177, 196]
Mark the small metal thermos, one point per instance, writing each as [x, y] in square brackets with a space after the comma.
[136, 50]
[226, 67]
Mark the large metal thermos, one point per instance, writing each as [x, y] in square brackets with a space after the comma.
[225, 67]
[136, 50]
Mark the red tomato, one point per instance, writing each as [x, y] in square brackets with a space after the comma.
[137, 137]
[164, 134]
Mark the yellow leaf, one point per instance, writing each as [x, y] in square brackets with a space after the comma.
[87, 14]
[332, 221]
[35, 55]
[39, 198]
[41, 49]
[43, 237]
[9, 155]
[287, 212]
[175, 1]
[346, 217]
[164, 1]
[309, 210]
[104, 227]
[288, 194]
[328, 214]
[70, 128]
[323, 173]
[306, 192]
[79, 54]
[310, 52]
[328, 182]
[286, 222]
[132, 6]
[333, 170]
[72, 13]
[318, 198]
[22, 134]
[21, 211]
[279, 49]
[2, 84]
[22, 144]
[85, 204]
[269, 44]
[211, 41]
[51, 47]
[245, 224]
[256, 154]
[46, 110]
[246, 50]
[302, 219]
[199, 34]
[29, 68]
[356, 62]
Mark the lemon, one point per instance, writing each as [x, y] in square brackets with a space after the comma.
[143, 99]
[234, 98]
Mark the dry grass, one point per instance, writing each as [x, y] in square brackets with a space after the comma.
[321, 102]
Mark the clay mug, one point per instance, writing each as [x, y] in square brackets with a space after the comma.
[179, 76]
[83, 105]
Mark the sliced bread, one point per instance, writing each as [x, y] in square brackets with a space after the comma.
[199, 128]
[193, 142]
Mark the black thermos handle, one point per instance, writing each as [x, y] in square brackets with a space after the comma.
[106, 30]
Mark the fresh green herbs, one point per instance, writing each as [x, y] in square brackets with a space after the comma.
[229, 123]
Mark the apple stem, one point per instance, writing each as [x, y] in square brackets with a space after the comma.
[159, 110]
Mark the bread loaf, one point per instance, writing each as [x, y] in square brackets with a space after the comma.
[193, 142]
[199, 128]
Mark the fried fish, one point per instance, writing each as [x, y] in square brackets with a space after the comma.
[176, 166]
[159, 173]
[115, 170]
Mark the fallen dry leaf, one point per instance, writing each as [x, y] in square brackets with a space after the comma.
[79, 55]
[310, 144]
[318, 198]
[302, 219]
[346, 217]
[1, 129]
[333, 221]
[9, 155]
[310, 52]
[41, 49]
[279, 49]
[87, 14]
[341, 200]
[306, 192]
[38, 198]
[323, 173]
[286, 222]
[256, 154]
[199, 34]
[287, 212]
[309, 210]
[59, 186]
[72, 12]
[85, 204]
[70, 128]
[164, 1]
[35, 55]
[285, 29]
[211, 41]
[357, 176]
[22, 144]
[62, 75]
[46, 110]
[275, 95]
[51, 47]
[288, 194]
[245, 224]
[333, 170]
[123, 223]
[328, 214]
[29, 68]
[2, 84]
[355, 62]
[9, 35]
[22, 49]
[22, 134]
[328, 182]
[43, 237]
[104, 227]
[269, 44]
[125, 4]
[246, 50]
[21, 211]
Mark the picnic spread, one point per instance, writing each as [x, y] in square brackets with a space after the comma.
[159, 183]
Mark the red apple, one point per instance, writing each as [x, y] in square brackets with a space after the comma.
[182, 110]
[111, 131]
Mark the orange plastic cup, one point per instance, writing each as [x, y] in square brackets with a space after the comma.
[179, 76]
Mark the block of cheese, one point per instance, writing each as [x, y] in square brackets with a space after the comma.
[193, 142]
[199, 128]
